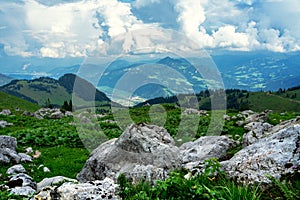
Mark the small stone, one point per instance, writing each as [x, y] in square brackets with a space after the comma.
[29, 150]
[46, 169]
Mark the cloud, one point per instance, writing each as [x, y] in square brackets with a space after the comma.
[77, 28]
[242, 24]
[69, 29]
[25, 66]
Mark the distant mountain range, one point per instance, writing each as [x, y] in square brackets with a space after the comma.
[57, 91]
[252, 71]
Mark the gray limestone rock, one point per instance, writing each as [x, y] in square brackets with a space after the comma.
[8, 142]
[275, 155]
[16, 169]
[57, 180]
[204, 148]
[141, 151]
[97, 190]
[256, 130]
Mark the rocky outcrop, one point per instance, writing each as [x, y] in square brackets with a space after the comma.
[48, 113]
[8, 142]
[8, 154]
[256, 130]
[249, 116]
[142, 152]
[21, 184]
[54, 181]
[104, 189]
[194, 154]
[16, 169]
[276, 154]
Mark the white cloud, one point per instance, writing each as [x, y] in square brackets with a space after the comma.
[228, 37]
[26, 66]
[81, 27]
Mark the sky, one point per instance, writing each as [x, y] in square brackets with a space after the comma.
[80, 28]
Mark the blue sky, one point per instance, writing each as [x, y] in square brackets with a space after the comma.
[79, 28]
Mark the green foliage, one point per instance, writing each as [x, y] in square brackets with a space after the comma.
[46, 132]
[4, 195]
[276, 118]
[288, 188]
[212, 184]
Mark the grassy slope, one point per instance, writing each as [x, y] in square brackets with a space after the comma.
[56, 93]
[260, 101]
[11, 102]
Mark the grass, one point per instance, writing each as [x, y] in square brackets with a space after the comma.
[208, 185]
[60, 160]
[63, 152]
[260, 101]
[11, 102]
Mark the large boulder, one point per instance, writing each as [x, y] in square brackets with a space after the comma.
[142, 152]
[195, 153]
[276, 154]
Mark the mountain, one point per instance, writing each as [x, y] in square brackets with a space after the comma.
[4, 79]
[253, 71]
[260, 70]
[57, 91]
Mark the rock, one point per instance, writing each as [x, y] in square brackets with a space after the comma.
[46, 169]
[54, 181]
[24, 157]
[48, 113]
[104, 189]
[5, 112]
[9, 156]
[261, 117]
[29, 150]
[234, 117]
[191, 111]
[141, 149]
[22, 191]
[68, 114]
[56, 115]
[4, 124]
[250, 117]
[226, 117]
[8, 142]
[204, 148]
[16, 169]
[276, 154]
[256, 130]
[21, 180]
[285, 124]
[246, 113]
